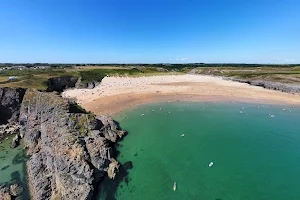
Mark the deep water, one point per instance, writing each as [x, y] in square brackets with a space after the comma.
[13, 165]
[255, 156]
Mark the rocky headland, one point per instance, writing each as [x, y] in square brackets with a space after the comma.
[283, 87]
[69, 150]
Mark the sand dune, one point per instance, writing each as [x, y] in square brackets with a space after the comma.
[117, 93]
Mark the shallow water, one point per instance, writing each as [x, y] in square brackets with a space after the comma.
[255, 156]
[12, 164]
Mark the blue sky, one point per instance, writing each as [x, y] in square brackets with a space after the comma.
[152, 31]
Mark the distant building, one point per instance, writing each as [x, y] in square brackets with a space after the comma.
[12, 78]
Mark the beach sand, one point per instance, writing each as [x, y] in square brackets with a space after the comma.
[115, 94]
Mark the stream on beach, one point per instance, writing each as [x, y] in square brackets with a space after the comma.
[253, 151]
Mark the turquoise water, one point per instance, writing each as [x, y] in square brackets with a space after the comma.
[12, 164]
[255, 156]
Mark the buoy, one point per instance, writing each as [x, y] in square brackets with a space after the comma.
[182, 135]
[142, 114]
[174, 186]
[210, 164]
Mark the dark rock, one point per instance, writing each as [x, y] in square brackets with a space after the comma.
[18, 198]
[15, 176]
[10, 103]
[5, 167]
[15, 141]
[283, 87]
[59, 84]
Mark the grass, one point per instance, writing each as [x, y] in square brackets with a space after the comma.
[38, 78]
[276, 74]
[32, 78]
[99, 74]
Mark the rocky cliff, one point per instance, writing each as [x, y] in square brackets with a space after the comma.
[10, 103]
[283, 87]
[60, 83]
[69, 152]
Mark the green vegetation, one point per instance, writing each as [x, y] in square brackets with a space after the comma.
[274, 73]
[37, 78]
[32, 78]
[99, 74]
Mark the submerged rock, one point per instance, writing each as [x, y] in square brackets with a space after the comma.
[113, 169]
[15, 141]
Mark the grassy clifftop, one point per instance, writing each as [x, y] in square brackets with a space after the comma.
[38, 78]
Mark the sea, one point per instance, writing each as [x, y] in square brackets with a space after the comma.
[13, 165]
[213, 151]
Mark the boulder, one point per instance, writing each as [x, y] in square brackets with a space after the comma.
[4, 193]
[16, 189]
[15, 141]
[113, 169]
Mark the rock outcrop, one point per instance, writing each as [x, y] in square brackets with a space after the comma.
[68, 152]
[15, 141]
[9, 129]
[10, 103]
[11, 191]
[59, 84]
[283, 87]
[88, 85]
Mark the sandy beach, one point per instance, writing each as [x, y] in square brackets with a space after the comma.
[115, 94]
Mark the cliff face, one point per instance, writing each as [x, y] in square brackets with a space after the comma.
[59, 84]
[283, 87]
[10, 103]
[69, 151]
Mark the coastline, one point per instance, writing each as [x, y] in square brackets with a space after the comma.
[116, 94]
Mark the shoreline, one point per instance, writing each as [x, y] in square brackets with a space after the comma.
[116, 94]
